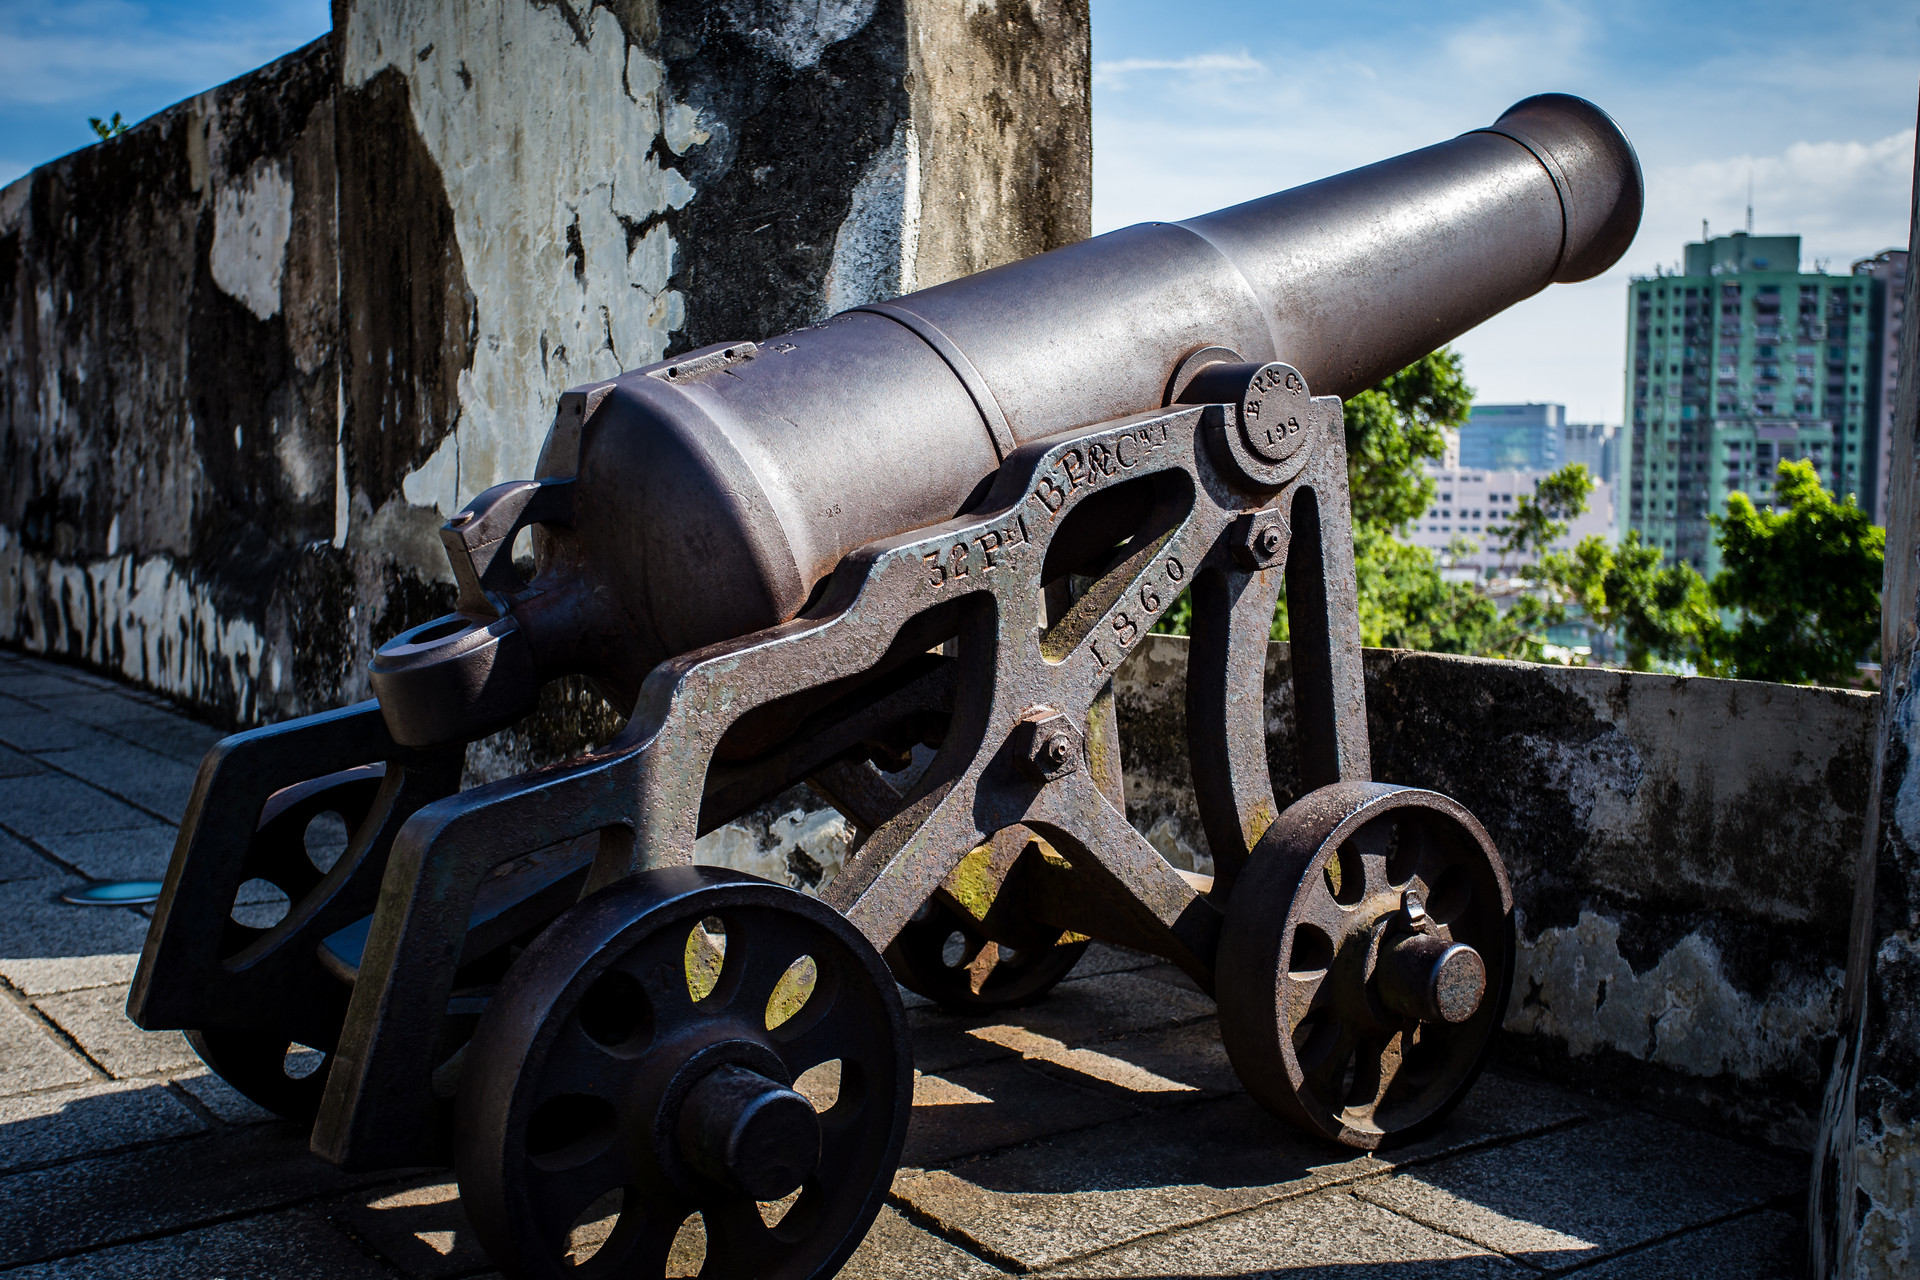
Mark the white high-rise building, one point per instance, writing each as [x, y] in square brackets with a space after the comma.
[1471, 502]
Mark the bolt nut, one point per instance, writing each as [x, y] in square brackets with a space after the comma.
[1260, 539]
[1046, 747]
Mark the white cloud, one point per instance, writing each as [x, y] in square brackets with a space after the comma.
[1240, 64]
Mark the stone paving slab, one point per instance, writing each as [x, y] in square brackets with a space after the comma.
[152, 726]
[33, 729]
[64, 1124]
[221, 1099]
[37, 684]
[97, 1020]
[1153, 1068]
[418, 1227]
[1100, 1132]
[1079, 1012]
[1330, 1235]
[157, 784]
[54, 804]
[1770, 1245]
[15, 765]
[47, 946]
[1065, 1197]
[1578, 1195]
[35, 1057]
[106, 1200]
[18, 861]
[138, 853]
[997, 1104]
[896, 1248]
[296, 1243]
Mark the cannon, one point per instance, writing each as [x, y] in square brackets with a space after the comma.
[897, 556]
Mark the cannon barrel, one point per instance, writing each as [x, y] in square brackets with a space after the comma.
[713, 493]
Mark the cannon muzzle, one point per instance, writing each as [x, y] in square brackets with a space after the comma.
[711, 495]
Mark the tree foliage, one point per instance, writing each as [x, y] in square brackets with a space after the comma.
[1393, 429]
[1802, 583]
[108, 128]
[1541, 519]
[1655, 610]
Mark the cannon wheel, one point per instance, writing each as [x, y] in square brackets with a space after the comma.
[942, 955]
[1365, 962]
[691, 1061]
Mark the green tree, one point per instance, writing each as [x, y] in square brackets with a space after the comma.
[1802, 583]
[108, 128]
[1542, 519]
[1653, 609]
[1393, 429]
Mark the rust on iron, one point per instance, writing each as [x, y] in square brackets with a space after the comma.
[897, 556]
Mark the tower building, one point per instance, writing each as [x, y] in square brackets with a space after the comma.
[1737, 363]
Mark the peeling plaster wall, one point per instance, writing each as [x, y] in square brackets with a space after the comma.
[1681, 852]
[545, 129]
[260, 347]
[168, 318]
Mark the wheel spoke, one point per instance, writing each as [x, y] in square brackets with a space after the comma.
[824, 1040]
[1376, 1063]
[560, 1196]
[576, 1064]
[1372, 841]
[1300, 996]
[756, 961]
[659, 964]
[640, 1242]
[738, 1240]
[1326, 1075]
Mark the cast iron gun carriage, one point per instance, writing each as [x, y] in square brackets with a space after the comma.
[898, 556]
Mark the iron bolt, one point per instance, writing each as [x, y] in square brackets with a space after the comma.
[1047, 748]
[1260, 539]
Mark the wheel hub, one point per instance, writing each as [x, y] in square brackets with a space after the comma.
[748, 1133]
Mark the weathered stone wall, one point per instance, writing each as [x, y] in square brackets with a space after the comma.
[259, 348]
[1864, 1205]
[168, 315]
[1681, 853]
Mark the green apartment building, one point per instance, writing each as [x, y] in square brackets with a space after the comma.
[1739, 362]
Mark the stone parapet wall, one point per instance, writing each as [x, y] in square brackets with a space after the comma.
[258, 349]
[1682, 854]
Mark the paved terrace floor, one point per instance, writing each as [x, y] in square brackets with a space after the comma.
[1100, 1133]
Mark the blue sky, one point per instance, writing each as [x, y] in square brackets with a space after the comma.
[1206, 102]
